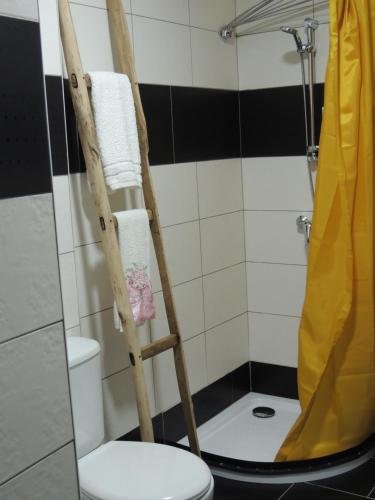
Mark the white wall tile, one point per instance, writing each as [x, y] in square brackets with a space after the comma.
[92, 29]
[276, 288]
[120, 409]
[211, 14]
[162, 52]
[63, 216]
[268, 60]
[273, 236]
[222, 241]
[69, 290]
[224, 295]
[176, 11]
[214, 61]
[182, 246]
[274, 339]
[114, 349]
[73, 332]
[50, 37]
[219, 187]
[276, 184]
[54, 478]
[227, 347]
[30, 295]
[322, 48]
[154, 271]
[176, 192]
[34, 398]
[27, 9]
[86, 227]
[94, 290]
[321, 11]
[189, 307]
[167, 394]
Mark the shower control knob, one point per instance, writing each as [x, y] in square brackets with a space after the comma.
[304, 225]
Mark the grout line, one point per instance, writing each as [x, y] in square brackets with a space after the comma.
[316, 485]
[36, 330]
[226, 321]
[277, 210]
[275, 263]
[274, 314]
[203, 275]
[71, 441]
[131, 13]
[285, 492]
[96, 312]
[117, 372]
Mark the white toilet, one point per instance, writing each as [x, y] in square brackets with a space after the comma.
[124, 470]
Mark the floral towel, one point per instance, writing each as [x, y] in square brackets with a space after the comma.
[134, 241]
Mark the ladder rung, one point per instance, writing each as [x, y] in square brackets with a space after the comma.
[159, 346]
[149, 213]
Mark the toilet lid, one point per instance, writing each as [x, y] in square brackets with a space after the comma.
[124, 470]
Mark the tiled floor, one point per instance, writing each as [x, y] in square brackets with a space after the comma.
[359, 483]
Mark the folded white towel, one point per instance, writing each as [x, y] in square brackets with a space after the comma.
[116, 125]
[134, 241]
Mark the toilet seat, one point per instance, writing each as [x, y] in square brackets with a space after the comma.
[124, 470]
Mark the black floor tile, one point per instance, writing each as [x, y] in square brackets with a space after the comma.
[310, 492]
[235, 490]
[360, 480]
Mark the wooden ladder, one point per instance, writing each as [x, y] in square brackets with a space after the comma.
[79, 83]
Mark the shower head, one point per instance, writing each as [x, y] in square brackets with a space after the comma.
[294, 32]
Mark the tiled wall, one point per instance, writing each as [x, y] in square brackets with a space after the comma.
[275, 180]
[37, 452]
[189, 87]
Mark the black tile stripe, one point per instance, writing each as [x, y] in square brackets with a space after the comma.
[156, 100]
[75, 164]
[169, 426]
[184, 124]
[205, 124]
[273, 122]
[275, 380]
[24, 158]
[56, 121]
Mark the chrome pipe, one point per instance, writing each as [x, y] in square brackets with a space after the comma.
[311, 26]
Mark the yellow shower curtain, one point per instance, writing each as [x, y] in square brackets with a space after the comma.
[336, 375]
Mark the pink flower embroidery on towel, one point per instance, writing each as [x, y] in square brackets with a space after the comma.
[140, 294]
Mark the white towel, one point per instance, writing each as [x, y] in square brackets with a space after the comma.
[116, 125]
[134, 241]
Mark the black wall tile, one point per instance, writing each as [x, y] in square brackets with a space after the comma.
[272, 122]
[56, 121]
[24, 159]
[205, 124]
[274, 380]
[75, 155]
[319, 103]
[156, 100]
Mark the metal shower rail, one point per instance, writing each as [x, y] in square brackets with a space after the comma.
[266, 9]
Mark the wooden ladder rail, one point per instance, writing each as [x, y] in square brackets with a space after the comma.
[86, 127]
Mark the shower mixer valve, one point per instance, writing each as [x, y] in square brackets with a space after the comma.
[304, 225]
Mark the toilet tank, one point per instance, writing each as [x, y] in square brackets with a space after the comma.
[86, 393]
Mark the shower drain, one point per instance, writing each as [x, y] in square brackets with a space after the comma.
[263, 412]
